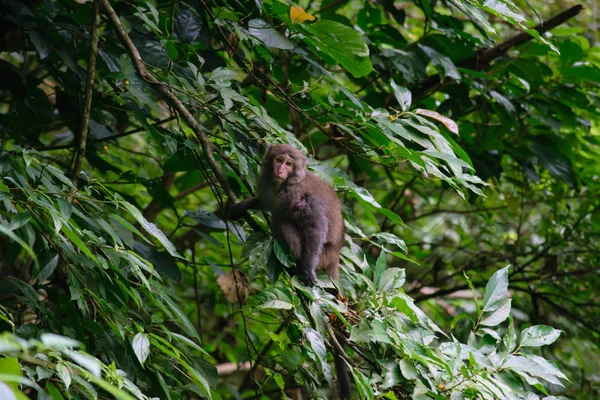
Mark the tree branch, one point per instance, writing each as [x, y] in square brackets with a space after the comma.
[82, 134]
[169, 97]
[104, 139]
[483, 58]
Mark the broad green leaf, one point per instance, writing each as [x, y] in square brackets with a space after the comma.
[59, 341]
[362, 384]
[281, 254]
[392, 279]
[317, 343]
[535, 366]
[403, 96]
[270, 36]
[151, 228]
[141, 347]
[342, 43]
[53, 391]
[539, 335]
[276, 304]
[48, 269]
[86, 361]
[496, 290]
[499, 315]
[6, 392]
[379, 267]
[10, 366]
[91, 391]
[391, 238]
[63, 373]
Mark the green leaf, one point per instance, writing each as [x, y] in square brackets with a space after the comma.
[535, 366]
[403, 96]
[317, 343]
[391, 238]
[53, 391]
[181, 318]
[342, 43]
[499, 315]
[88, 362]
[59, 341]
[6, 392]
[270, 36]
[582, 73]
[281, 254]
[10, 366]
[24, 245]
[151, 228]
[277, 304]
[48, 269]
[141, 347]
[113, 390]
[75, 239]
[459, 317]
[379, 267]
[392, 279]
[63, 373]
[539, 335]
[496, 290]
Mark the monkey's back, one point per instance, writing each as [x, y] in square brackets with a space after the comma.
[311, 192]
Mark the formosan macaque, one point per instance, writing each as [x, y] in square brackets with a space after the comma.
[305, 210]
[307, 215]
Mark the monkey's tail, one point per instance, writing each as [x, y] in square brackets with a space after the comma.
[343, 377]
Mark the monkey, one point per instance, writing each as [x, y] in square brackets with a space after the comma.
[306, 214]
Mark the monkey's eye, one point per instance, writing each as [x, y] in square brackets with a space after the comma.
[289, 164]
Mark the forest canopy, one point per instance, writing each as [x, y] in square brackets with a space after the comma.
[461, 137]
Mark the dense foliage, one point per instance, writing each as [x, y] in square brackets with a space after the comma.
[461, 140]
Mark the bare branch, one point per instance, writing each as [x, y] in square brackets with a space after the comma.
[483, 58]
[82, 134]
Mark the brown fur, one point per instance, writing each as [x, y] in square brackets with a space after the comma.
[306, 214]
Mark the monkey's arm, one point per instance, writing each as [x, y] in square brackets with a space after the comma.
[237, 210]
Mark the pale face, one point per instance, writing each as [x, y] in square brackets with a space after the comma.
[283, 166]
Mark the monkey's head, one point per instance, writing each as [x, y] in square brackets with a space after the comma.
[284, 163]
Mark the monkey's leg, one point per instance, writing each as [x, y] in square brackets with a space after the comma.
[329, 261]
[314, 235]
[291, 235]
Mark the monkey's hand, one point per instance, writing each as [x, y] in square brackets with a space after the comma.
[308, 277]
[238, 210]
[235, 211]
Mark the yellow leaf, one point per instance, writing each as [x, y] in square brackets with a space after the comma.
[298, 15]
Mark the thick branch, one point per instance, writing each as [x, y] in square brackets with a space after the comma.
[104, 139]
[89, 89]
[169, 97]
[483, 58]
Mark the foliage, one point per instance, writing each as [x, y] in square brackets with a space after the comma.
[450, 166]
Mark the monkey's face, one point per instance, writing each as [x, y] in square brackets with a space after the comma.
[283, 167]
